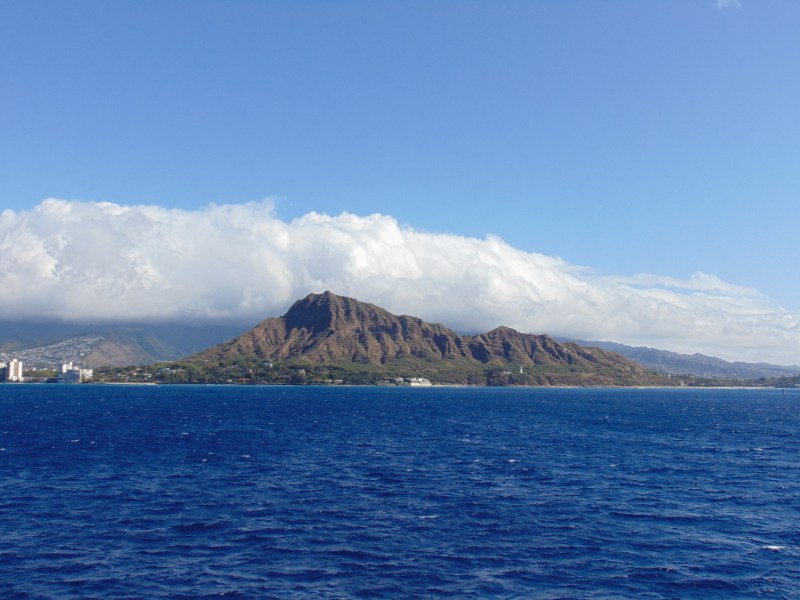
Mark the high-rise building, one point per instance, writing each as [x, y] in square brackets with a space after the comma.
[69, 374]
[14, 371]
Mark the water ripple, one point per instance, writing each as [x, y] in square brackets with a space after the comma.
[194, 492]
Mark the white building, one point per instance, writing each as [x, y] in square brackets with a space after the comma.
[14, 371]
[69, 374]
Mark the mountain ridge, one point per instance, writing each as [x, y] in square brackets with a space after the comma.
[697, 364]
[46, 345]
[326, 329]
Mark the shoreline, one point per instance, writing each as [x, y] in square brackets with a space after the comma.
[410, 387]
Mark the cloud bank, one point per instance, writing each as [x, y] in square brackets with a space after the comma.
[91, 261]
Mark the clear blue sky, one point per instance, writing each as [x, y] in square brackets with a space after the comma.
[628, 136]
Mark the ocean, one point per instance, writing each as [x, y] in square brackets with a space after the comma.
[340, 492]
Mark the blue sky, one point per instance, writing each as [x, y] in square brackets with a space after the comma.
[627, 137]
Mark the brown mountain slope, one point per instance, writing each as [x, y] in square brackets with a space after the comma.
[326, 329]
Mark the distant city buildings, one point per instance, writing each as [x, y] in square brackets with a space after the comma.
[11, 371]
[73, 374]
[69, 373]
[47, 357]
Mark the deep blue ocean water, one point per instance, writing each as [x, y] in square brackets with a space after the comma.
[259, 492]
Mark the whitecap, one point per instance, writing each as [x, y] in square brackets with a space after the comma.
[773, 548]
[428, 517]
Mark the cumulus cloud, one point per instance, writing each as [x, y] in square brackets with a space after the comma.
[90, 261]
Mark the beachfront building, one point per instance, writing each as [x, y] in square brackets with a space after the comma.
[74, 374]
[12, 371]
[69, 374]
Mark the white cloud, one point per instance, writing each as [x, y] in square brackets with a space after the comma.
[90, 261]
[728, 4]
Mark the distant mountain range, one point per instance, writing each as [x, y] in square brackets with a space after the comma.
[326, 329]
[47, 345]
[697, 364]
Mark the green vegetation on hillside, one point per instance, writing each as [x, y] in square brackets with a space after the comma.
[255, 371]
